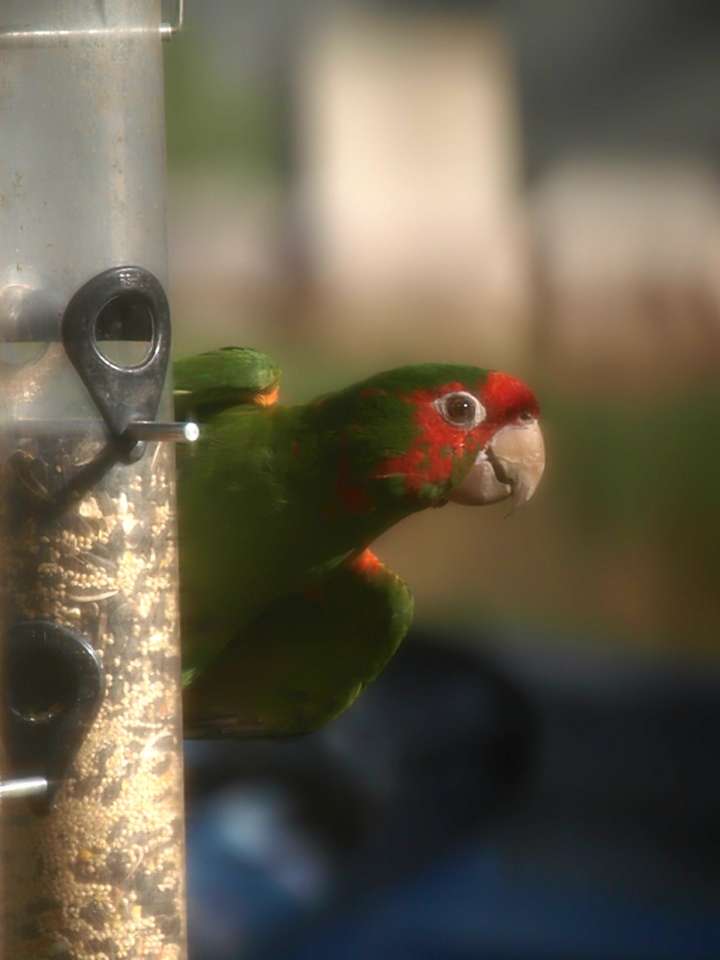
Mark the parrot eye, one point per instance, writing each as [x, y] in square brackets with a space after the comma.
[461, 409]
[526, 416]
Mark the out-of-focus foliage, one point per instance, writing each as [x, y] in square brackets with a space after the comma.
[642, 479]
[215, 125]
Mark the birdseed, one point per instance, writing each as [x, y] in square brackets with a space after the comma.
[101, 876]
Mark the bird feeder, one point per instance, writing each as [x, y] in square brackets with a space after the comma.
[91, 818]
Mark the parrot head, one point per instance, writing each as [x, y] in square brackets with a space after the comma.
[424, 435]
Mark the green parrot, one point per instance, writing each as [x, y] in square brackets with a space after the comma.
[286, 612]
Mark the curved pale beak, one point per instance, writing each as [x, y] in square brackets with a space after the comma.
[511, 465]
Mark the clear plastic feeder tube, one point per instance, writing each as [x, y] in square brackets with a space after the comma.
[99, 872]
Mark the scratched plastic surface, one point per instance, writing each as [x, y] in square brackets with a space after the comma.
[99, 877]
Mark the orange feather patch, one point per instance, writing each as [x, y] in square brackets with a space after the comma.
[268, 398]
[366, 562]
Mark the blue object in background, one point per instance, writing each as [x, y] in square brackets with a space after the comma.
[556, 807]
[251, 870]
[476, 907]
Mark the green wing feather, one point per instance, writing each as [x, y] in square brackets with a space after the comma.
[210, 382]
[305, 659]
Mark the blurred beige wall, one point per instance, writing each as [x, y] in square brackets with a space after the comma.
[409, 176]
[628, 267]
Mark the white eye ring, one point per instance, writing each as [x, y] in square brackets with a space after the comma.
[461, 409]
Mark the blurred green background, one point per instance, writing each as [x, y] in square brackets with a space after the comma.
[354, 186]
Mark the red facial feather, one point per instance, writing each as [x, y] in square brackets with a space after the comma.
[505, 397]
[354, 498]
[438, 444]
